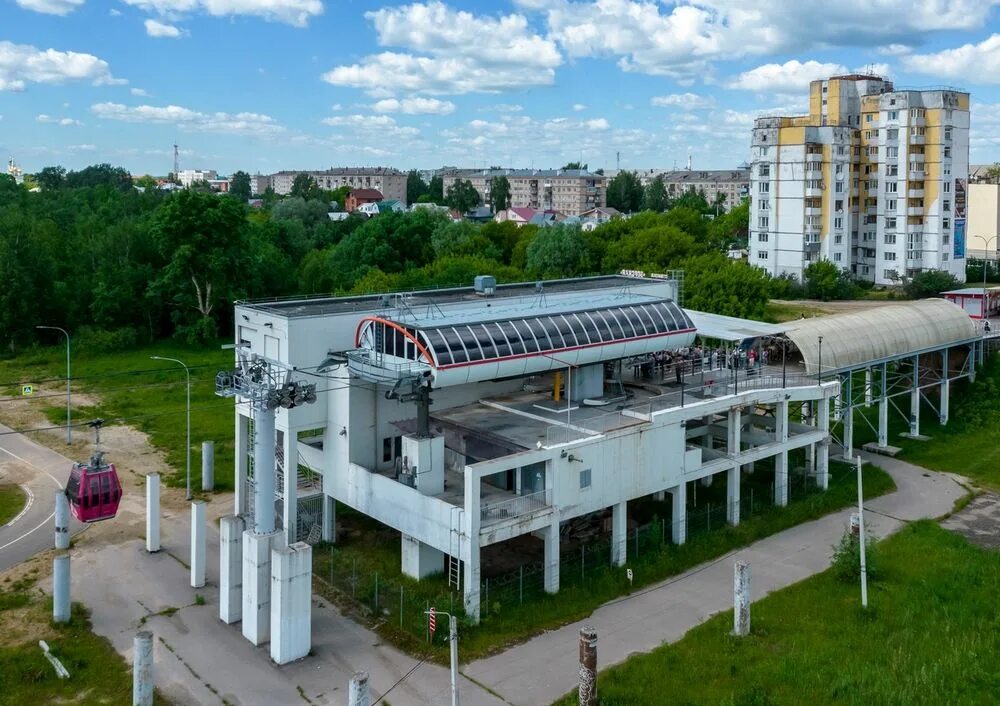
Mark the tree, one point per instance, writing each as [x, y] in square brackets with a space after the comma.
[100, 175]
[239, 186]
[716, 284]
[435, 189]
[499, 194]
[462, 196]
[306, 187]
[825, 281]
[462, 239]
[930, 283]
[993, 174]
[415, 186]
[146, 182]
[558, 251]
[654, 196]
[655, 249]
[51, 178]
[695, 200]
[625, 192]
[576, 165]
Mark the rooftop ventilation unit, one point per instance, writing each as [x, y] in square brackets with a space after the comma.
[485, 285]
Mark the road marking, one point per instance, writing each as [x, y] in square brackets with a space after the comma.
[31, 501]
[47, 519]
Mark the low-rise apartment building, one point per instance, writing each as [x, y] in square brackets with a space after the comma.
[390, 182]
[568, 191]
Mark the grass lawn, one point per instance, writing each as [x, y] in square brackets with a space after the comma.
[931, 636]
[11, 502]
[367, 548]
[779, 312]
[149, 395]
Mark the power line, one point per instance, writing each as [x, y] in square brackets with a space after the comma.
[48, 395]
[38, 381]
[400, 680]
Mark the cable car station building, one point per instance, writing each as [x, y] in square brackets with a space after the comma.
[468, 417]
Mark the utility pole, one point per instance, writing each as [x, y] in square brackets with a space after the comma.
[453, 642]
[69, 413]
[177, 163]
[861, 539]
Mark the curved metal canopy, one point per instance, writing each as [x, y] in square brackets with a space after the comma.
[880, 332]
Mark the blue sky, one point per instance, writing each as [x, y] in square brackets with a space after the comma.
[262, 85]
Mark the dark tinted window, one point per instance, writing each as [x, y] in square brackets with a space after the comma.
[516, 346]
[499, 340]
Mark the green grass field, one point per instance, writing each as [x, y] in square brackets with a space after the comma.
[149, 395]
[930, 636]
[12, 501]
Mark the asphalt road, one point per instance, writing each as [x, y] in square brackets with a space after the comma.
[32, 531]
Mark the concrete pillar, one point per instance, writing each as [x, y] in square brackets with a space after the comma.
[420, 560]
[823, 448]
[359, 694]
[62, 520]
[231, 569]
[868, 387]
[198, 542]
[60, 589]
[678, 530]
[329, 519]
[587, 688]
[660, 495]
[427, 456]
[263, 472]
[207, 465]
[152, 512]
[290, 507]
[945, 387]
[781, 459]
[915, 399]
[619, 538]
[741, 599]
[883, 422]
[142, 668]
[472, 518]
[551, 536]
[256, 616]
[291, 602]
[733, 495]
[242, 452]
[734, 431]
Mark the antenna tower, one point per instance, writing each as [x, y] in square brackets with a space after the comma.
[177, 162]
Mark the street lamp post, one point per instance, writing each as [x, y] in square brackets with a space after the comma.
[69, 413]
[819, 367]
[188, 373]
[986, 250]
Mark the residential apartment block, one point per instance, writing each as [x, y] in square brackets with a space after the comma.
[873, 179]
[569, 191]
[391, 182]
[187, 177]
[732, 184]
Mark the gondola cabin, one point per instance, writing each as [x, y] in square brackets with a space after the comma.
[94, 490]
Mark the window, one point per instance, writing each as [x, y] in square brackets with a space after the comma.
[873, 151]
[892, 134]
[888, 274]
[841, 150]
[387, 449]
[839, 187]
[892, 152]
[764, 187]
[893, 115]
[890, 223]
[836, 257]
[947, 206]
[762, 237]
[944, 257]
[946, 223]
[838, 206]
[889, 256]
[765, 205]
[838, 239]
[762, 222]
[916, 112]
[889, 238]
[947, 187]
[892, 170]
[762, 254]
[838, 222]
[891, 187]
[584, 478]
[947, 151]
[868, 117]
[764, 170]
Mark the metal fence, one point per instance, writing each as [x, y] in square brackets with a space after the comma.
[515, 507]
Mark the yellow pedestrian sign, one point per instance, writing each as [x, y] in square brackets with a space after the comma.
[27, 389]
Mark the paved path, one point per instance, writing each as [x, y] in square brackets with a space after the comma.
[41, 472]
[545, 668]
[979, 521]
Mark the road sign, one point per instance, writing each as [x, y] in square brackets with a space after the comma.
[27, 389]
[628, 572]
[432, 620]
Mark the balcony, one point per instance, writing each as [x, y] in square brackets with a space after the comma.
[814, 191]
[811, 229]
[814, 157]
[917, 139]
[814, 211]
[855, 192]
[914, 210]
[378, 367]
[872, 190]
[813, 174]
[918, 122]
[914, 193]
[517, 506]
[810, 246]
[917, 158]
[915, 174]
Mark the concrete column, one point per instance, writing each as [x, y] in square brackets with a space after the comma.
[781, 459]
[733, 495]
[256, 616]
[60, 589]
[883, 422]
[734, 431]
[420, 560]
[551, 536]
[359, 693]
[945, 388]
[868, 387]
[741, 599]
[231, 569]
[62, 520]
[198, 542]
[427, 456]
[587, 688]
[329, 519]
[619, 538]
[142, 668]
[207, 465]
[823, 448]
[290, 508]
[291, 602]
[678, 530]
[915, 399]
[242, 452]
[152, 512]
[471, 559]
[263, 472]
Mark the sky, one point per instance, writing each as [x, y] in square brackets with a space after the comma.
[264, 85]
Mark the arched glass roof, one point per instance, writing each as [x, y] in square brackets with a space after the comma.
[461, 343]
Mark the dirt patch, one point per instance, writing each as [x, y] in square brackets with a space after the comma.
[979, 521]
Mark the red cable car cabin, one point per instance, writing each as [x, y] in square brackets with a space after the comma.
[94, 490]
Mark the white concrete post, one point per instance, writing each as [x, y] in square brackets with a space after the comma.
[329, 519]
[868, 387]
[678, 530]
[915, 399]
[207, 465]
[359, 694]
[142, 669]
[945, 387]
[242, 452]
[60, 589]
[231, 569]
[290, 507]
[152, 512]
[883, 422]
[291, 602]
[823, 448]
[256, 617]
[733, 495]
[781, 459]
[198, 542]
[473, 519]
[62, 520]
[619, 538]
[741, 599]
[552, 557]
[263, 472]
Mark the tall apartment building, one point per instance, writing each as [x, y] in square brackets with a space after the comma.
[873, 179]
[569, 191]
[391, 182]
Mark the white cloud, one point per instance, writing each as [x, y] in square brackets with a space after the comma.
[895, 50]
[63, 122]
[684, 101]
[789, 77]
[187, 119]
[115, 13]
[159, 29]
[555, 139]
[975, 63]
[370, 126]
[336, 106]
[414, 106]
[579, 107]
[456, 52]
[51, 7]
[141, 92]
[293, 12]
[21, 64]
[502, 108]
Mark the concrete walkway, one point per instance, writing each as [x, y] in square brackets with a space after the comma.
[545, 668]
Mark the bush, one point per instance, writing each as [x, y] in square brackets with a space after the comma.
[930, 283]
[847, 558]
[97, 340]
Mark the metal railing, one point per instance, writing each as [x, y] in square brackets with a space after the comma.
[372, 365]
[515, 507]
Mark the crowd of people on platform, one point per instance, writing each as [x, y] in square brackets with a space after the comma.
[663, 365]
